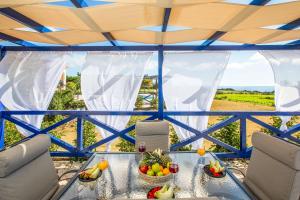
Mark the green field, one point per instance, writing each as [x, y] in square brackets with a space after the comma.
[250, 97]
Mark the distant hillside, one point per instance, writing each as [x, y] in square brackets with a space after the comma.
[254, 96]
[248, 88]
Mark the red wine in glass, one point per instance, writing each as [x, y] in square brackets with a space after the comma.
[174, 168]
[142, 147]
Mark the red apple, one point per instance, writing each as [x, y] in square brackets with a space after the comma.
[144, 169]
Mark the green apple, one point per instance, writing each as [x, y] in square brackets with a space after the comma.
[156, 167]
[159, 174]
[150, 172]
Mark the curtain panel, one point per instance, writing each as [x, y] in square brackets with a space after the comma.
[286, 68]
[110, 81]
[190, 81]
[28, 81]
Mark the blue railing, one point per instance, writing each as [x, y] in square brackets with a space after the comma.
[79, 150]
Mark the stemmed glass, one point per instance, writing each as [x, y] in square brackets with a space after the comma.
[142, 148]
[201, 152]
[174, 168]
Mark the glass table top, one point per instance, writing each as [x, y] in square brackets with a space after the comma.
[121, 180]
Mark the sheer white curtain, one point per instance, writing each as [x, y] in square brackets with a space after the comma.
[110, 81]
[286, 68]
[190, 83]
[28, 81]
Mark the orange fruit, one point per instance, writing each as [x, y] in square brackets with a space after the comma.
[201, 151]
[161, 168]
[166, 171]
[103, 165]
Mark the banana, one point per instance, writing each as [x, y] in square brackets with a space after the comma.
[91, 170]
[95, 173]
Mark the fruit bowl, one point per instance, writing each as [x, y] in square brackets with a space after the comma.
[207, 169]
[151, 193]
[154, 179]
[84, 178]
[94, 172]
[154, 167]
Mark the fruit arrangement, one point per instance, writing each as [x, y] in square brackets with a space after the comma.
[165, 192]
[94, 172]
[215, 169]
[154, 165]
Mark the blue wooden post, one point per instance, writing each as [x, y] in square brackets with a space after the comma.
[79, 134]
[160, 84]
[2, 52]
[2, 128]
[243, 134]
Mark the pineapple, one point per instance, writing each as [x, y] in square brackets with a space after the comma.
[156, 156]
[165, 159]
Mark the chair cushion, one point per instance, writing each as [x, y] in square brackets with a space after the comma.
[154, 133]
[278, 149]
[269, 178]
[34, 181]
[21, 154]
[152, 127]
[154, 141]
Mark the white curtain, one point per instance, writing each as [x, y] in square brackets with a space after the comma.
[110, 81]
[28, 81]
[286, 68]
[190, 83]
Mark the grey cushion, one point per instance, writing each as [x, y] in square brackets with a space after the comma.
[35, 181]
[21, 154]
[154, 133]
[27, 171]
[278, 149]
[267, 176]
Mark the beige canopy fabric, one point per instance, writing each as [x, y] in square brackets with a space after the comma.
[272, 15]
[205, 16]
[113, 17]
[12, 3]
[171, 37]
[29, 36]
[54, 16]
[141, 21]
[163, 3]
[7, 23]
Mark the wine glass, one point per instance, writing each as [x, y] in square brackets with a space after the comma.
[174, 168]
[201, 151]
[142, 148]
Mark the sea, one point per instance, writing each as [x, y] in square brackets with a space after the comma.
[250, 88]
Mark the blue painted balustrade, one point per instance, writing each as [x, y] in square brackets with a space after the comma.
[79, 150]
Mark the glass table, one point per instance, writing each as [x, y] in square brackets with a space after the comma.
[121, 180]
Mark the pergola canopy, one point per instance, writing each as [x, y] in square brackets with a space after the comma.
[155, 22]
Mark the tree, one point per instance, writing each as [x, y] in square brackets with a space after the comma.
[154, 102]
[276, 122]
[175, 139]
[12, 135]
[89, 134]
[147, 83]
[124, 145]
[229, 134]
[139, 102]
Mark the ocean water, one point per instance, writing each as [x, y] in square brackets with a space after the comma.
[250, 88]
